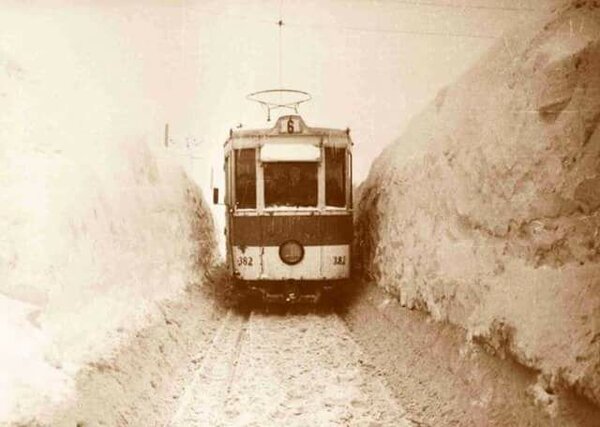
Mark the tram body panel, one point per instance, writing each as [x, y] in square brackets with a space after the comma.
[273, 230]
[324, 238]
[319, 263]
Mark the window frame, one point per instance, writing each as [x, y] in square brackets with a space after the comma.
[235, 203]
[343, 156]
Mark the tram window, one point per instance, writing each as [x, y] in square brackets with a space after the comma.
[227, 183]
[291, 184]
[335, 177]
[245, 178]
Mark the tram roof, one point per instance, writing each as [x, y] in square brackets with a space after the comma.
[248, 138]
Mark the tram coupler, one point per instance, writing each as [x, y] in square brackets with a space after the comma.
[288, 292]
[292, 292]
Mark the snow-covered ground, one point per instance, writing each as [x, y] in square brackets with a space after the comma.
[442, 379]
[98, 221]
[485, 212]
[89, 245]
[292, 370]
[489, 220]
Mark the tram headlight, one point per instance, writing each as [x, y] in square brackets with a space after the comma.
[291, 252]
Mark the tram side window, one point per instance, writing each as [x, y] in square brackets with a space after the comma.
[227, 183]
[245, 178]
[335, 177]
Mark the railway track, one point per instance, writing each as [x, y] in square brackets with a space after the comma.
[288, 369]
[202, 405]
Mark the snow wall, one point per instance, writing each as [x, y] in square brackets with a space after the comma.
[486, 211]
[98, 223]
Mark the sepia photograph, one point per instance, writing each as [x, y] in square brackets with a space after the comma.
[378, 213]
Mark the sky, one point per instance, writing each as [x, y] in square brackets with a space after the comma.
[369, 65]
[118, 68]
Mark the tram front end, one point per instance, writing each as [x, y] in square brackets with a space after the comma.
[288, 192]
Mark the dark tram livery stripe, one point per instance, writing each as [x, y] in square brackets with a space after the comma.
[309, 230]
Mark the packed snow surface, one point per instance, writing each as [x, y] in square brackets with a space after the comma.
[97, 220]
[292, 370]
[486, 213]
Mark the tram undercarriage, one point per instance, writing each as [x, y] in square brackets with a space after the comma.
[290, 291]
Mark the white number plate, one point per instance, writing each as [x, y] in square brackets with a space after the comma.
[245, 261]
[339, 260]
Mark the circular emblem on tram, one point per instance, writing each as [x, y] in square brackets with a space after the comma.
[291, 252]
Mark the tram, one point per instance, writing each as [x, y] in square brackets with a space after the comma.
[288, 197]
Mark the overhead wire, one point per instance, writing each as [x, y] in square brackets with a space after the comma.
[366, 29]
[280, 24]
[464, 6]
[392, 31]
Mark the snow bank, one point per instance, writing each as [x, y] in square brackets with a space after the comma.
[485, 213]
[98, 223]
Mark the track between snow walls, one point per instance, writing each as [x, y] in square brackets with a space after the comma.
[370, 362]
[291, 369]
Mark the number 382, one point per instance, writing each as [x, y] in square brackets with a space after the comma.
[339, 260]
[244, 260]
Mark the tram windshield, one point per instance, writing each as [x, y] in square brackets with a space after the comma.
[291, 184]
